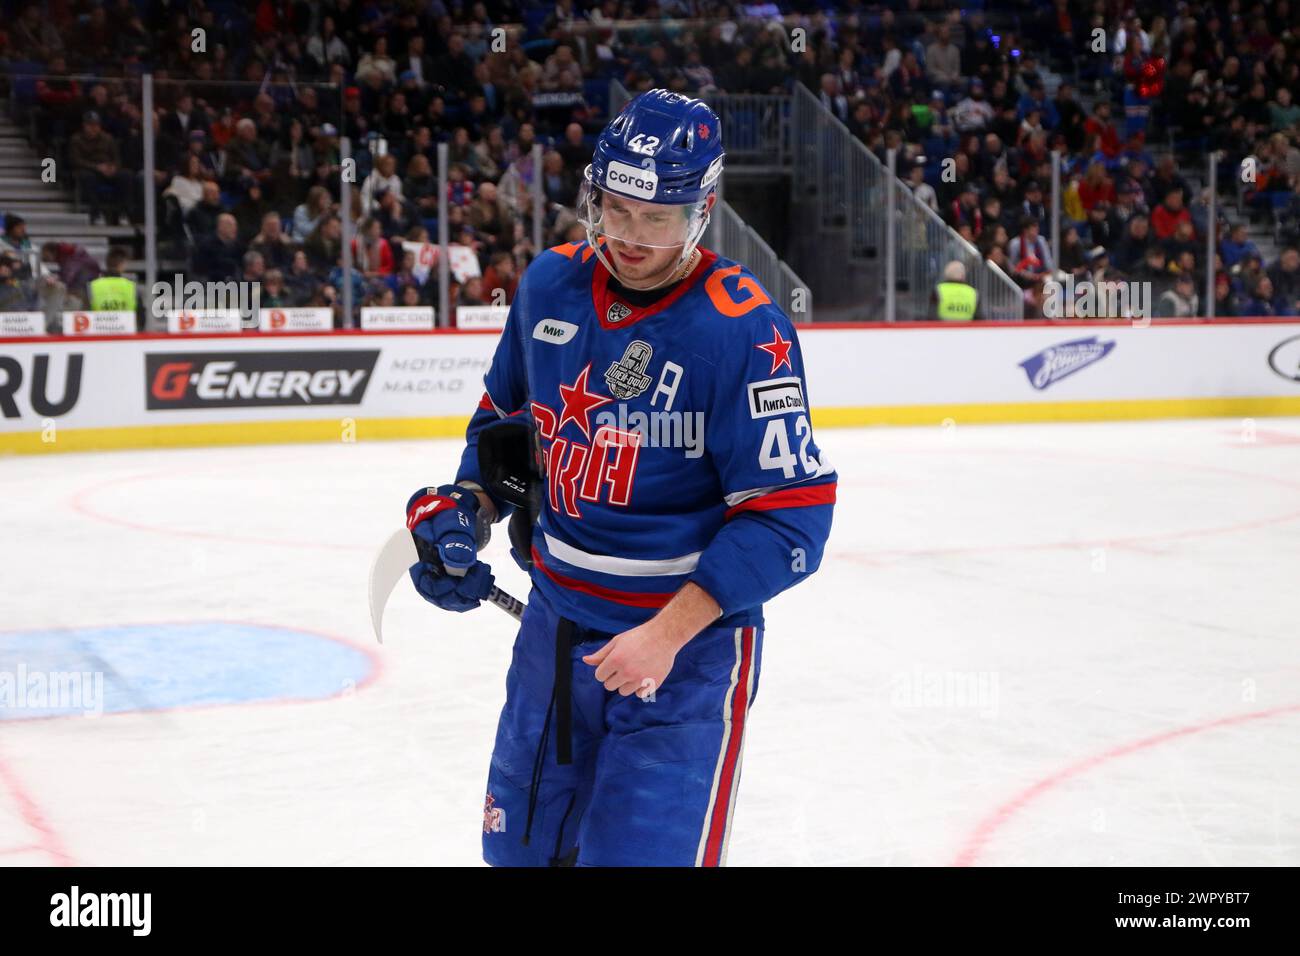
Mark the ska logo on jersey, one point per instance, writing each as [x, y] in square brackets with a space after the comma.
[617, 312]
[600, 467]
[626, 378]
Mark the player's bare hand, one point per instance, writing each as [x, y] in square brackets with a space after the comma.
[636, 661]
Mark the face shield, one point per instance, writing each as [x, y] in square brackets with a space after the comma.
[648, 225]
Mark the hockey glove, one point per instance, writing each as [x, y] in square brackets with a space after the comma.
[510, 462]
[445, 524]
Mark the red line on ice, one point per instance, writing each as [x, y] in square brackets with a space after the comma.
[80, 504]
[986, 828]
[32, 816]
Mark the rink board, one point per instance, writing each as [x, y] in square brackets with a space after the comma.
[81, 394]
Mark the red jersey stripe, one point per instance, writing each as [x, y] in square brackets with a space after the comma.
[788, 498]
[652, 599]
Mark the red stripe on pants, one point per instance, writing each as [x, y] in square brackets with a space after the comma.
[727, 779]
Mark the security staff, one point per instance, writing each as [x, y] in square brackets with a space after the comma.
[112, 291]
[957, 300]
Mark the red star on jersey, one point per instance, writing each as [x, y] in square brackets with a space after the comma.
[704, 131]
[779, 349]
[579, 403]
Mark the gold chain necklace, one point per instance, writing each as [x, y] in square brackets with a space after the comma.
[686, 268]
[677, 276]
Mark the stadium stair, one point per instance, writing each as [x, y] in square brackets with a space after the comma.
[48, 207]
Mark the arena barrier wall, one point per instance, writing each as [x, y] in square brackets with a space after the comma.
[140, 391]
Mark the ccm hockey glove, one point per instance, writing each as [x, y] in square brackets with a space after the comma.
[445, 524]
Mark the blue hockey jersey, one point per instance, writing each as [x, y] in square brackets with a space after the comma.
[677, 440]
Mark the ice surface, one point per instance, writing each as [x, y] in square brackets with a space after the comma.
[1054, 644]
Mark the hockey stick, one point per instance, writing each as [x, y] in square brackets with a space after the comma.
[390, 566]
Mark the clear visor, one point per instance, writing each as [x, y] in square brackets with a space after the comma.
[653, 225]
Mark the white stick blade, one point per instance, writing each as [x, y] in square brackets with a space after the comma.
[390, 566]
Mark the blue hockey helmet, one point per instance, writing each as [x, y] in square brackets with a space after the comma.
[663, 148]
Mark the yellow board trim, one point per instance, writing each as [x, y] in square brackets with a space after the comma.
[198, 434]
[345, 429]
[990, 413]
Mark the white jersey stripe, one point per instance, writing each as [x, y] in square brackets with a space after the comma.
[824, 467]
[629, 567]
[736, 497]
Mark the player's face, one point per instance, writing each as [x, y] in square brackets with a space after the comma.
[644, 239]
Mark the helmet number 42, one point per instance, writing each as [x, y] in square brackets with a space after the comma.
[641, 143]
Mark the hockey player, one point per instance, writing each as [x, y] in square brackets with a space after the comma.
[679, 489]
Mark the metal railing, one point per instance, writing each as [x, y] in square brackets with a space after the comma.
[618, 97]
[163, 242]
[839, 173]
[849, 184]
[925, 245]
[756, 126]
[729, 236]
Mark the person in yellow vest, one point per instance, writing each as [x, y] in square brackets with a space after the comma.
[113, 291]
[956, 300]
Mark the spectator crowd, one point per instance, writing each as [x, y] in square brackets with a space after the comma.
[248, 126]
[975, 114]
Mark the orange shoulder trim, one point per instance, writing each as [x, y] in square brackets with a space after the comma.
[722, 299]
